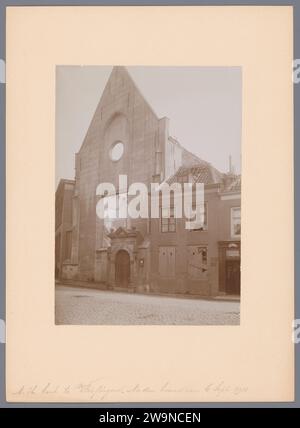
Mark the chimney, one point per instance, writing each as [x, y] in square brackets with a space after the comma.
[231, 167]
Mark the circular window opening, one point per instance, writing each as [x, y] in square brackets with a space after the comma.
[117, 151]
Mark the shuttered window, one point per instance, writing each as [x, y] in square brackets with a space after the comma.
[167, 259]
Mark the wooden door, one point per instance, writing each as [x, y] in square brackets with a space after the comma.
[122, 268]
[232, 277]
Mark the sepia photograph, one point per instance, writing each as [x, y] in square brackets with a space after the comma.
[148, 195]
[144, 167]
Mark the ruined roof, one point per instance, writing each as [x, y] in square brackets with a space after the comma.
[232, 183]
[188, 158]
[198, 173]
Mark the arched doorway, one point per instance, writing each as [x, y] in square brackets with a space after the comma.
[122, 268]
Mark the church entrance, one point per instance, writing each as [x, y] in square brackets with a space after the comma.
[122, 268]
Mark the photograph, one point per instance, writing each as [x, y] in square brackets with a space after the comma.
[150, 210]
[148, 195]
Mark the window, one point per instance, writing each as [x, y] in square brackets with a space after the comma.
[236, 222]
[202, 224]
[167, 218]
[117, 151]
[112, 220]
[197, 262]
[166, 260]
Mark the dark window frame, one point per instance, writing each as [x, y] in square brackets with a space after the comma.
[168, 224]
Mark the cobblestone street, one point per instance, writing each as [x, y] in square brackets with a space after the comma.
[95, 307]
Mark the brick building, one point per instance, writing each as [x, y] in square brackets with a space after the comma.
[63, 224]
[144, 255]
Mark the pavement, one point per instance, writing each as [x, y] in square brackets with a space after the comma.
[78, 306]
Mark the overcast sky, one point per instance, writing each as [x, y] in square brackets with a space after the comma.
[203, 104]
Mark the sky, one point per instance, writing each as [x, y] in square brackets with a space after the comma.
[204, 105]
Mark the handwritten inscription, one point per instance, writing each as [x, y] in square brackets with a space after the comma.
[100, 391]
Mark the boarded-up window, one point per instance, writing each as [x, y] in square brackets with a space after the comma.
[113, 213]
[202, 224]
[197, 262]
[167, 261]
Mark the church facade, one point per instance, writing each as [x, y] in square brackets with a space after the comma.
[146, 255]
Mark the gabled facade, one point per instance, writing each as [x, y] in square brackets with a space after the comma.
[126, 137]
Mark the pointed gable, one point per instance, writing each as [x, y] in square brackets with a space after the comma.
[123, 122]
[119, 92]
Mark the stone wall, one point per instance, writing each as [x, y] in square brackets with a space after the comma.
[121, 115]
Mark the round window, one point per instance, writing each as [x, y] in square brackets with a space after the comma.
[117, 151]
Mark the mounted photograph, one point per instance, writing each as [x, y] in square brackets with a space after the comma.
[148, 195]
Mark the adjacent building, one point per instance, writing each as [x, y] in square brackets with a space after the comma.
[154, 255]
